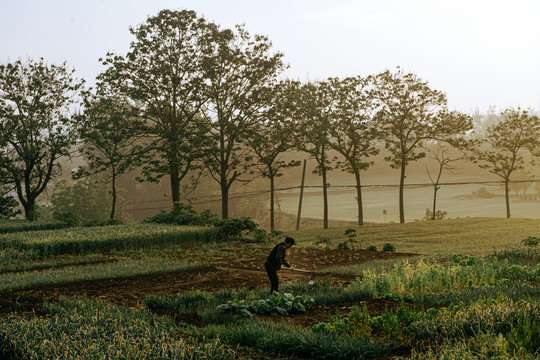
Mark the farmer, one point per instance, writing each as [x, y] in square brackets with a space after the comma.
[275, 260]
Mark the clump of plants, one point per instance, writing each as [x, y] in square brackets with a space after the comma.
[323, 241]
[243, 228]
[351, 241]
[371, 248]
[388, 247]
[276, 304]
[530, 241]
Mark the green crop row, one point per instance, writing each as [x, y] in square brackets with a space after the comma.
[94, 330]
[48, 243]
[18, 225]
[287, 340]
[423, 277]
[21, 280]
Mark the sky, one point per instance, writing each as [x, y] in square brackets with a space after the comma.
[481, 53]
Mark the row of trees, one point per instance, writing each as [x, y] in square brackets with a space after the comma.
[190, 97]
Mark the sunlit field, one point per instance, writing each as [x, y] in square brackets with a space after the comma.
[456, 200]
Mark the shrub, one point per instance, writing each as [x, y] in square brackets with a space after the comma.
[8, 205]
[389, 247]
[371, 248]
[530, 241]
[67, 217]
[183, 214]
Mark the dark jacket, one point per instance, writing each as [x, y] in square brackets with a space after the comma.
[277, 256]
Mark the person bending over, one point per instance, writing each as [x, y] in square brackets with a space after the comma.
[275, 260]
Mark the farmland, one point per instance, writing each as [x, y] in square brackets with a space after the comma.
[460, 288]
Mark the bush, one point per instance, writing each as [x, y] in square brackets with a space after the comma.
[530, 241]
[184, 214]
[439, 215]
[7, 206]
[389, 247]
[67, 217]
[371, 248]
[236, 227]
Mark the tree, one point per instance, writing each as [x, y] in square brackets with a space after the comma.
[239, 70]
[502, 151]
[7, 203]
[352, 129]
[111, 141]
[37, 126]
[271, 138]
[441, 154]
[88, 198]
[410, 112]
[163, 75]
[317, 103]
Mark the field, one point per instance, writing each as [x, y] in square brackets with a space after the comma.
[460, 288]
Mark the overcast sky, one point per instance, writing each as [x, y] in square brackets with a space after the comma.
[479, 52]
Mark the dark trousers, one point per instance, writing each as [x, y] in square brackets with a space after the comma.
[272, 275]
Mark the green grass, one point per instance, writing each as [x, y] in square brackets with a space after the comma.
[475, 236]
[83, 329]
[18, 225]
[21, 280]
[50, 243]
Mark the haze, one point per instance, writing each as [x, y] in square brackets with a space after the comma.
[481, 53]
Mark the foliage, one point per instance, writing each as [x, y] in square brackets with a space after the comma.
[87, 198]
[276, 304]
[530, 241]
[357, 324]
[84, 329]
[184, 214]
[435, 327]
[85, 240]
[70, 219]
[7, 204]
[439, 215]
[273, 137]
[293, 340]
[37, 277]
[371, 248]
[37, 127]
[109, 133]
[237, 228]
[20, 225]
[238, 71]
[351, 241]
[324, 241]
[353, 132]
[502, 150]
[411, 113]
[389, 247]
[164, 72]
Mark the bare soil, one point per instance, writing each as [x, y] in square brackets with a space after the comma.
[231, 268]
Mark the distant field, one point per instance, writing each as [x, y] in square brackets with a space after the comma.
[475, 236]
[456, 200]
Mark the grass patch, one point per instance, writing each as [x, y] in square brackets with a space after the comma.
[106, 238]
[474, 236]
[293, 340]
[21, 280]
[94, 330]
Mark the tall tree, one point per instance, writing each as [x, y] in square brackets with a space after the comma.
[37, 125]
[163, 74]
[317, 103]
[506, 143]
[410, 113]
[353, 131]
[239, 70]
[111, 138]
[274, 136]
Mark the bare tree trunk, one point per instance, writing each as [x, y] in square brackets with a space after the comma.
[435, 188]
[506, 191]
[359, 197]
[224, 200]
[113, 207]
[272, 228]
[401, 186]
[325, 200]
